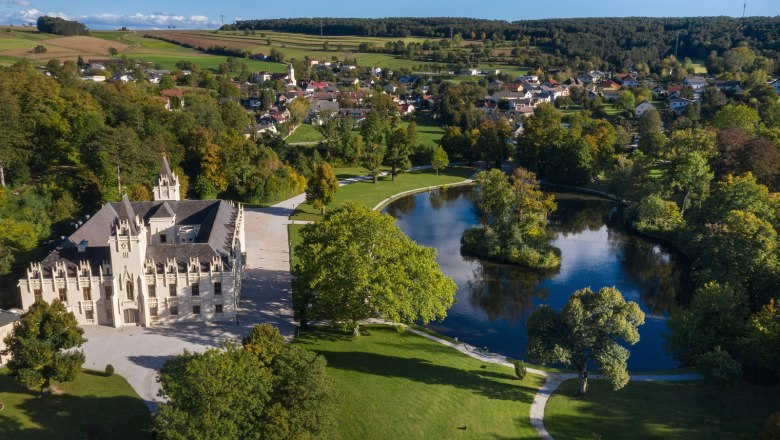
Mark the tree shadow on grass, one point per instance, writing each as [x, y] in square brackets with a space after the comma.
[64, 416]
[423, 371]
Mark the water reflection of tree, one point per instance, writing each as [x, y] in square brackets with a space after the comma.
[576, 214]
[502, 290]
[657, 273]
[444, 195]
[402, 206]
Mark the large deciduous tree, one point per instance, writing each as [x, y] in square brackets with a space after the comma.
[356, 264]
[267, 390]
[321, 187]
[41, 346]
[439, 159]
[587, 330]
[400, 145]
[371, 159]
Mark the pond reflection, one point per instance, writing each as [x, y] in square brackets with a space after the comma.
[494, 299]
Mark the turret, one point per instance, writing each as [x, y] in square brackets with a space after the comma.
[166, 186]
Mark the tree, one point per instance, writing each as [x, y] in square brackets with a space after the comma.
[39, 49]
[229, 392]
[371, 159]
[400, 145]
[587, 330]
[40, 346]
[439, 159]
[113, 51]
[649, 128]
[298, 110]
[715, 318]
[321, 187]
[762, 344]
[740, 116]
[357, 264]
[626, 101]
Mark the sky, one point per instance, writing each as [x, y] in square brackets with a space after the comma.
[203, 14]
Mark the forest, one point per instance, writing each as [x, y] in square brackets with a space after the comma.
[60, 26]
[617, 41]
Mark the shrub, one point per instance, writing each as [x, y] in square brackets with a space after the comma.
[719, 367]
[520, 370]
[109, 370]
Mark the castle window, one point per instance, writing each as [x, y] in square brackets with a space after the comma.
[163, 238]
[153, 311]
[89, 315]
[196, 310]
[171, 289]
[130, 293]
[152, 291]
[38, 294]
[174, 310]
[87, 292]
[217, 288]
[195, 289]
[110, 313]
[218, 308]
[109, 291]
[63, 293]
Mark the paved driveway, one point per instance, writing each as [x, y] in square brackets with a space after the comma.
[137, 353]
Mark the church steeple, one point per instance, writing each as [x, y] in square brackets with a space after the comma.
[291, 74]
[166, 186]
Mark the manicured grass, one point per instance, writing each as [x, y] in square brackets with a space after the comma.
[347, 172]
[402, 386]
[668, 410]
[429, 132]
[90, 407]
[294, 234]
[369, 194]
[305, 133]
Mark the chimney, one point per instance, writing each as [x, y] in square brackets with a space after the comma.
[82, 247]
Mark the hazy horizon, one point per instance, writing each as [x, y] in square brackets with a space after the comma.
[202, 14]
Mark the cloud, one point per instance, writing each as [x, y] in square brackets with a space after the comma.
[155, 20]
[22, 3]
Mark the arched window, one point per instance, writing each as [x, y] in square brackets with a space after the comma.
[130, 294]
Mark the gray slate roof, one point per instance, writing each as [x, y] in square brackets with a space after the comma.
[215, 218]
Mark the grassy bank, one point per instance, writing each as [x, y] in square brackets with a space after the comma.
[305, 133]
[91, 407]
[668, 410]
[369, 194]
[400, 385]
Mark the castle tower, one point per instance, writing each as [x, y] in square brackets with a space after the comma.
[127, 247]
[166, 186]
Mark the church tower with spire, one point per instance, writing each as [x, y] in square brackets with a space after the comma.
[166, 186]
[291, 75]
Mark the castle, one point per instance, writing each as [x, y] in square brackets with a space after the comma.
[143, 263]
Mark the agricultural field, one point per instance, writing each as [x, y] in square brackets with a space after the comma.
[17, 42]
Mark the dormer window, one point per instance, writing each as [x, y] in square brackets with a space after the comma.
[163, 238]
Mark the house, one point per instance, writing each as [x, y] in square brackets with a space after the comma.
[630, 81]
[679, 104]
[260, 77]
[7, 320]
[143, 263]
[696, 82]
[174, 99]
[469, 72]
[611, 95]
[642, 107]
[776, 85]
[95, 78]
[406, 109]
[533, 79]
[674, 91]
[729, 86]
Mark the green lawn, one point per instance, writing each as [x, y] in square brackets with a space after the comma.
[429, 133]
[305, 133]
[90, 407]
[348, 172]
[402, 386]
[369, 194]
[668, 410]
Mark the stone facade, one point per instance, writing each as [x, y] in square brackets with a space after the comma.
[143, 263]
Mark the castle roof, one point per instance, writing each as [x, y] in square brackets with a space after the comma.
[215, 218]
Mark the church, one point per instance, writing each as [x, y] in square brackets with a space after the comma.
[147, 263]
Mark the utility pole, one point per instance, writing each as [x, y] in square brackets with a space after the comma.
[222, 18]
[321, 29]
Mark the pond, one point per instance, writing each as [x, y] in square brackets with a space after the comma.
[494, 300]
